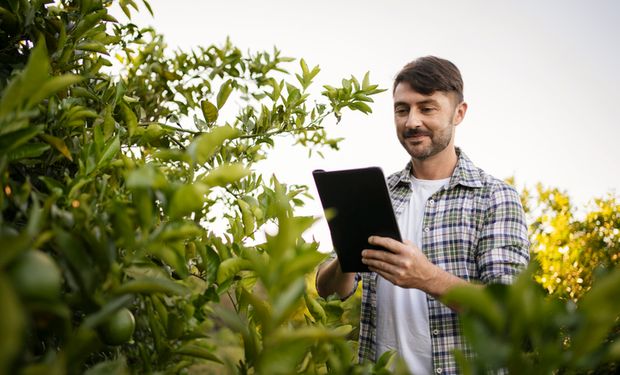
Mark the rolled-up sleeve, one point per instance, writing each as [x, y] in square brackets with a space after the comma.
[503, 247]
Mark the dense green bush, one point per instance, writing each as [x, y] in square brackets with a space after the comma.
[128, 199]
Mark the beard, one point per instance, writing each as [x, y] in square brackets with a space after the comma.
[421, 151]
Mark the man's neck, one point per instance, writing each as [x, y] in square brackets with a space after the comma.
[436, 167]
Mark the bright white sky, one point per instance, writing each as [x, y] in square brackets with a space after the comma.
[542, 78]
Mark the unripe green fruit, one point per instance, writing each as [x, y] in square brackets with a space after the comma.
[118, 328]
[36, 277]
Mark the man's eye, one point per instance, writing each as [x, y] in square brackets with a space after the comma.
[401, 111]
[426, 109]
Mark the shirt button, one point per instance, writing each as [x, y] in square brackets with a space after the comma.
[435, 332]
[431, 202]
[439, 370]
[427, 229]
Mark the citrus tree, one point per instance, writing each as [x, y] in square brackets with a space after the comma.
[133, 226]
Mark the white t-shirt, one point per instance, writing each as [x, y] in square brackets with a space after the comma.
[402, 314]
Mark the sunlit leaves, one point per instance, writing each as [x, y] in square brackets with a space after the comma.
[204, 146]
[187, 199]
[225, 174]
[224, 93]
[351, 95]
[307, 75]
[209, 111]
[570, 246]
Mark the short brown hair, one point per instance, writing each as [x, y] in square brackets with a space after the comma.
[429, 74]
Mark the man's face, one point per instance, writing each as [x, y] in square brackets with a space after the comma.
[425, 123]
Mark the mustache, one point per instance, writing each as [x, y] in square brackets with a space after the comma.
[416, 132]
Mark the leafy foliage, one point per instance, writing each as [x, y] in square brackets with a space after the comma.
[128, 168]
[571, 248]
[561, 316]
[524, 330]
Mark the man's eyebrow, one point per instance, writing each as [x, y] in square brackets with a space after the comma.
[398, 104]
[428, 101]
[420, 103]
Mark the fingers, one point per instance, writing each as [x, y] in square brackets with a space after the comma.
[387, 243]
[382, 268]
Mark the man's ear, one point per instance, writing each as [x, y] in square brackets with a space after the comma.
[459, 113]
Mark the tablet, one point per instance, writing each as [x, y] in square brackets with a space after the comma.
[357, 205]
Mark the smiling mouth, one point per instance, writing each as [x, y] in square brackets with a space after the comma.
[416, 134]
[417, 138]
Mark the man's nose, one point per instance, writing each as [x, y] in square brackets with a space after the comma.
[413, 120]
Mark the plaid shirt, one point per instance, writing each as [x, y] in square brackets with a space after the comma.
[474, 228]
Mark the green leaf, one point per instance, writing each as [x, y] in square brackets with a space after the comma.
[204, 146]
[52, 86]
[224, 93]
[210, 261]
[478, 301]
[148, 6]
[25, 85]
[197, 351]
[173, 254]
[366, 81]
[179, 231]
[230, 267]
[12, 325]
[88, 22]
[131, 121]
[226, 174]
[187, 199]
[95, 319]
[315, 309]
[246, 216]
[601, 309]
[110, 367]
[305, 263]
[17, 138]
[360, 106]
[288, 299]
[304, 67]
[209, 111]
[54, 186]
[31, 150]
[109, 152]
[146, 177]
[148, 285]
[92, 46]
[262, 312]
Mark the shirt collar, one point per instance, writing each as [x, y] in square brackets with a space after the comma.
[465, 173]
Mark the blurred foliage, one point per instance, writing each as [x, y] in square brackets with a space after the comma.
[522, 329]
[569, 245]
[562, 314]
[135, 235]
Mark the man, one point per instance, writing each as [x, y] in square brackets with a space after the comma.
[460, 226]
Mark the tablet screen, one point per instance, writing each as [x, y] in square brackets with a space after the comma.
[359, 206]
